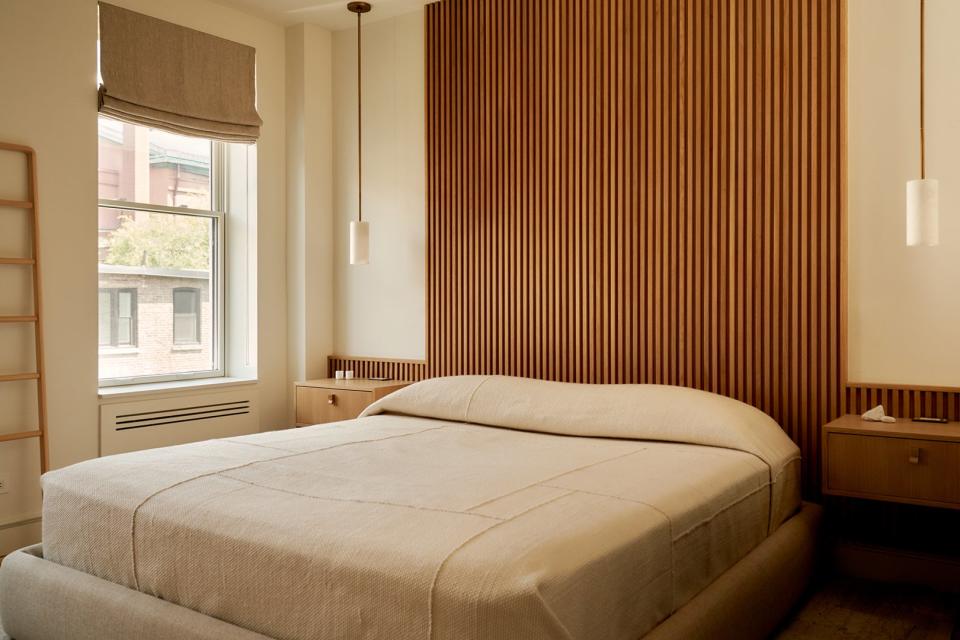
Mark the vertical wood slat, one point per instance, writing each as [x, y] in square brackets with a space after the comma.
[641, 192]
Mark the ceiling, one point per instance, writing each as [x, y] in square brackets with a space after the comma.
[331, 14]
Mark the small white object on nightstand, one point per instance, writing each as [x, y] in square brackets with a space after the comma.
[877, 414]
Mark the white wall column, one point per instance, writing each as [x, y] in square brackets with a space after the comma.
[309, 201]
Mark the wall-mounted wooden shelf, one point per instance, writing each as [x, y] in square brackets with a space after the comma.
[330, 400]
[905, 461]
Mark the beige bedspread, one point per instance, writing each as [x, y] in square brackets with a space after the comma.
[411, 523]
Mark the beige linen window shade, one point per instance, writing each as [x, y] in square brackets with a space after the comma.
[162, 75]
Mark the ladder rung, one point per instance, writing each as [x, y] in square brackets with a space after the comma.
[13, 377]
[17, 260]
[18, 318]
[16, 204]
[23, 435]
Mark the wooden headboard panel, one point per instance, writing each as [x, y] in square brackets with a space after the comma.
[631, 191]
[392, 368]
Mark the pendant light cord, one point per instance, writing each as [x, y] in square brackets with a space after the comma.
[923, 163]
[360, 130]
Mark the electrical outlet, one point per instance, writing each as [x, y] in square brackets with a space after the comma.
[4, 483]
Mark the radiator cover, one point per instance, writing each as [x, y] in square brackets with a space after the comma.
[147, 424]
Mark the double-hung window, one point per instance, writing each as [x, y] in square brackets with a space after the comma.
[118, 317]
[161, 242]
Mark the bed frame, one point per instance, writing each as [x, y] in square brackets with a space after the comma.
[41, 600]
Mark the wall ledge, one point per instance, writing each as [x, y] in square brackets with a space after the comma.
[124, 393]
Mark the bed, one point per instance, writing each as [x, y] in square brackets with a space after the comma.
[464, 507]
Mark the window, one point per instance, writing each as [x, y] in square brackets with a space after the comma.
[161, 242]
[186, 316]
[118, 317]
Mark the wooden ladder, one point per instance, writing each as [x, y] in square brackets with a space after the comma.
[34, 263]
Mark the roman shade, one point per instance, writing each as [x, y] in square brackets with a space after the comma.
[166, 76]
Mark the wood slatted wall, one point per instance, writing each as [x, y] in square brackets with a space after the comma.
[904, 401]
[640, 191]
[410, 370]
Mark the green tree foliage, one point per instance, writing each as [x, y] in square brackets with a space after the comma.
[161, 240]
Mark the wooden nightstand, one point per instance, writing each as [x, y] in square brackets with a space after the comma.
[330, 400]
[906, 461]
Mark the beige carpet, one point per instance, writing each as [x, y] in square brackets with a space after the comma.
[847, 609]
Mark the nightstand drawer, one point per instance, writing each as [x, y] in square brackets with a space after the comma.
[892, 467]
[316, 405]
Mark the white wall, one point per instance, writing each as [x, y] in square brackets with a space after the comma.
[310, 200]
[904, 305]
[379, 309]
[48, 101]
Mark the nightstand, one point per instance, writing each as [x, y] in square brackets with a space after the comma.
[330, 400]
[906, 461]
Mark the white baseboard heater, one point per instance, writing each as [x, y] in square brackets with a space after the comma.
[147, 424]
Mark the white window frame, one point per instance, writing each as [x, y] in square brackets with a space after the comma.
[218, 217]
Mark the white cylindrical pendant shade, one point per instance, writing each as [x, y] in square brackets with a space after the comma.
[359, 242]
[923, 205]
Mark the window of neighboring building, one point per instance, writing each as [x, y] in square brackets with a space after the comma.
[118, 317]
[186, 316]
[161, 240]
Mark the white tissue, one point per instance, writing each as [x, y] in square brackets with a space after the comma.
[877, 414]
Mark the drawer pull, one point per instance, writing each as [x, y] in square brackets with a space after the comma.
[332, 399]
[914, 455]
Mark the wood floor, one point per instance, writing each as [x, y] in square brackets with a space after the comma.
[845, 609]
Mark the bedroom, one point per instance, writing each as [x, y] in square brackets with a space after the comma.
[622, 281]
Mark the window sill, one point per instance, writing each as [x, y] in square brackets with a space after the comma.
[123, 393]
[119, 351]
[180, 348]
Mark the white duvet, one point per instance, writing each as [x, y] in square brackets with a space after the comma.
[468, 507]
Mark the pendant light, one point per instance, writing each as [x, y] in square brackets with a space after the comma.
[359, 230]
[923, 194]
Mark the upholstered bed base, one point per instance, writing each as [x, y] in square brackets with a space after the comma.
[755, 595]
[40, 600]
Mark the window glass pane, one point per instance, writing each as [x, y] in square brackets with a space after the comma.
[104, 314]
[184, 301]
[146, 257]
[144, 165]
[186, 306]
[124, 332]
[125, 304]
[184, 328]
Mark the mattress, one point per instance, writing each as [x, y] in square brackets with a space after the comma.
[471, 507]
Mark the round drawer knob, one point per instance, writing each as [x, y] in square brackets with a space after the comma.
[332, 399]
